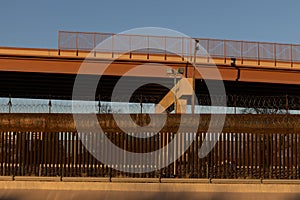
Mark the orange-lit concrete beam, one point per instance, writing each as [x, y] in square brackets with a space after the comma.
[69, 62]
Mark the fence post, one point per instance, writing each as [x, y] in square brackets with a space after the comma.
[242, 51]
[291, 55]
[50, 104]
[287, 104]
[76, 43]
[224, 43]
[141, 104]
[9, 104]
[191, 50]
[99, 104]
[234, 103]
[208, 55]
[59, 33]
[275, 54]
[182, 48]
[258, 53]
[148, 47]
[112, 45]
[130, 46]
[165, 46]
[95, 45]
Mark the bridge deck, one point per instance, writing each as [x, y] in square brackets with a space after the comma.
[260, 68]
[69, 61]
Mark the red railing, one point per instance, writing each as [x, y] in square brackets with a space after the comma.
[182, 46]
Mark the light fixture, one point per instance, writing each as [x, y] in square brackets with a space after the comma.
[194, 74]
[170, 71]
[174, 73]
[180, 70]
[233, 64]
[197, 46]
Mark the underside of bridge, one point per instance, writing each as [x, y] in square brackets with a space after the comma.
[60, 86]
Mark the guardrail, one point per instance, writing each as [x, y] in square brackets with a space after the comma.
[184, 47]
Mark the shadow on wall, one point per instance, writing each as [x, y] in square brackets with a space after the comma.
[124, 195]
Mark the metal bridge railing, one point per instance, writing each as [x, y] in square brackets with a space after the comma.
[184, 47]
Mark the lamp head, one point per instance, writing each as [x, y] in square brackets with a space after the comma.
[170, 71]
[180, 70]
[197, 44]
[233, 60]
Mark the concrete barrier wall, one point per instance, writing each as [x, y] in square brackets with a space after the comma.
[27, 188]
[151, 185]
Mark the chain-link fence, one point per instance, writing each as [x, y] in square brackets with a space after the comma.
[236, 104]
[184, 47]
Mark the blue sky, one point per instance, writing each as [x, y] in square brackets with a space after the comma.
[35, 23]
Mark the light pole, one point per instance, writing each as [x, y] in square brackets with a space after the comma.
[173, 73]
[196, 48]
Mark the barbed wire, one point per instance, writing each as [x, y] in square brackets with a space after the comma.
[236, 104]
